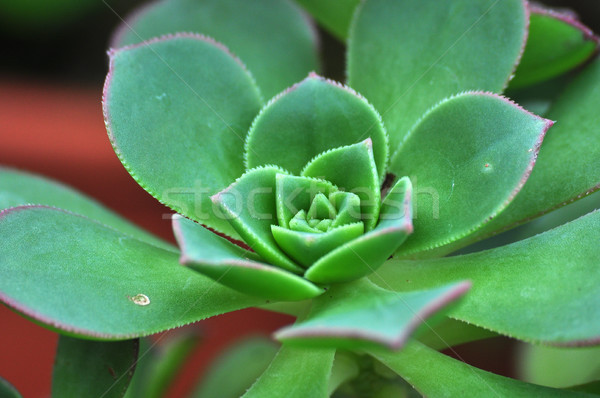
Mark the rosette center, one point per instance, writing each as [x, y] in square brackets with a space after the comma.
[327, 213]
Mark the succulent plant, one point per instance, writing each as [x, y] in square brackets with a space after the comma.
[338, 204]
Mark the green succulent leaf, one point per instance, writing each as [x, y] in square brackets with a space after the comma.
[333, 15]
[307, 247]
[238, 268]
[360, 315]
[406, 56]
[345, 368]
[310, 118]
[365, 254]
[574, 144]
[556, 44]
[78, 277]
[450, 333]
[272, 37]
[295, 373]
[351, 168]
[434, 374]
[558, 367]
[7, 390]
[249, 205]
[18, 188]
[456, 157]
[542, 289]
[321, 209]
[347, 205]
[247, 360]
[160, 362]
[84, 368]
[177, 110]
[294, 194]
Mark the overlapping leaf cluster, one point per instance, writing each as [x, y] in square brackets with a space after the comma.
[324, 185]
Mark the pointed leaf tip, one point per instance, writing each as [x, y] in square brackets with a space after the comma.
[404, 69]
[359, 315]
[310, 118]
[233, 266]
[183, 93]
[527, 277]
[462, 179]
[252, 209]
[557, 43]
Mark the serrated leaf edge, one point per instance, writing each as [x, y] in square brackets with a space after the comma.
[314, 76]
[534, 154]
[105, 99]
[69, 329]
[419, 317]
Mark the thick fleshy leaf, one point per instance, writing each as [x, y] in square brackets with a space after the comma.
[295, 373]
[347, 205]
[450, 332]
[468, 157]
[247, 360]
[351, 168]
[544, 223]
[307, 247]
[320, 209]
[249, 206]
[79, 277]
[18, 188]
[272, 37]
[240, 269]
[334, 15]
[345, 368]
[406, 56]
[160, 362]
[359, 315]
[7, 390]
[308, 119]
[542, 289]
[294, 194]
[85, 368]
[566, 169]
[365, 254]
[177, 110]
[555, 218]
[556, 43]
[434, 374]
[558, 367]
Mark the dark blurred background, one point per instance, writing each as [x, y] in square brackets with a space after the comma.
[66, 40]
[52, 69]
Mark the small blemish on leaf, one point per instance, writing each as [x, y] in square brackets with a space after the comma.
[164, 99]
[112, 373]
[140, 299]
